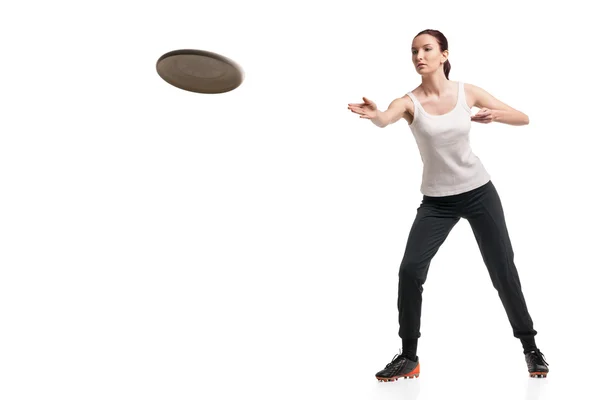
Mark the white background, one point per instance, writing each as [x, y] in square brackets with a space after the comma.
[162, 244]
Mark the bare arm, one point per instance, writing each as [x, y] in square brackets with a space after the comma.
[500, 112]
[393, 114]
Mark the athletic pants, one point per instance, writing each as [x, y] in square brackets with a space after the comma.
[436, 216]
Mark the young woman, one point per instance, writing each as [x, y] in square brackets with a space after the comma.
[455, 185]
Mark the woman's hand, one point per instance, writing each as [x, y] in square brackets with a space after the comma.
[367, 109]
[484, 116]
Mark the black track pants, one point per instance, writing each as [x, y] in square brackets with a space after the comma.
[436, 216]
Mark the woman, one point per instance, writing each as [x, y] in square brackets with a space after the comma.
[455, 185]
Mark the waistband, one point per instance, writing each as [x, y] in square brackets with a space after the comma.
[459, 196]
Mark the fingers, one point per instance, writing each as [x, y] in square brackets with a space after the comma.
[481, 120]
[360, 111]
[483, 113]
[362, 108]
[366, 101]
[362, 115]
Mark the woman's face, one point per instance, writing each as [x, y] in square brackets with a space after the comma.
[426, 55]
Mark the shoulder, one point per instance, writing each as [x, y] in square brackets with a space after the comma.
[408, 106]
[403, 101]
[469, 87]
[474, 90]
[480, 98]
[399, 108]
[473, 94]
[406, 103]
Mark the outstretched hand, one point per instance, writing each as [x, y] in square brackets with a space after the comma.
[367, 109]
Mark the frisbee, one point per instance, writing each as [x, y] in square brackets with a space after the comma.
[199, 71]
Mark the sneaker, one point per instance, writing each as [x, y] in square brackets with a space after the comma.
[536, 364]
[399, 367]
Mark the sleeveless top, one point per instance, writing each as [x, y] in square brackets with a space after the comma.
[449, 165]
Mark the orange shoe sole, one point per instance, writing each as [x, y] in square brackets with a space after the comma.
[538, 374]
[411, 375]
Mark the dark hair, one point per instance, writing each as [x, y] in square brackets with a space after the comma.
[442, 41]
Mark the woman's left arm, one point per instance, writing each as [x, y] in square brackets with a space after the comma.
[493, 110]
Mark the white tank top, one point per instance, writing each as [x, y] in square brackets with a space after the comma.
[449, 165]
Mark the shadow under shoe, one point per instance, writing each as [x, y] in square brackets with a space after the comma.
[399, 367]
[536, 364]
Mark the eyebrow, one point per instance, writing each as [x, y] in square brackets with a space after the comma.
[426, 44]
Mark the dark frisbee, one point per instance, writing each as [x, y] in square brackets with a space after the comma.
[199, 71]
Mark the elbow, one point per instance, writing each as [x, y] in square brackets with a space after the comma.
[382, 120]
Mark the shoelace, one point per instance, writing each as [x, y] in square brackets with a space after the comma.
[393, 359]
[540, 355]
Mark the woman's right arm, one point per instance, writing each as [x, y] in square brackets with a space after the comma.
[393, 114]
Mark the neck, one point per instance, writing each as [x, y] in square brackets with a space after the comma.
[435, 84]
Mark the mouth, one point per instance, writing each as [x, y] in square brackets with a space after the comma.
[420, 65]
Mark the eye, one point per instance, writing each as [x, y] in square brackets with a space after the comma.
[427, 49]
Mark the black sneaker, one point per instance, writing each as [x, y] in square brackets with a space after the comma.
[399, 367]
[536, 364]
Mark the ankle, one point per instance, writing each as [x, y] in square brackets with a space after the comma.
[410, 356]
[528, 344]
[409, 349]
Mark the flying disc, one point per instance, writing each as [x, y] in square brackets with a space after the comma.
[199, 71]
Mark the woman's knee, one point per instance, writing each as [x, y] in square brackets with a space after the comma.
[411, 268]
